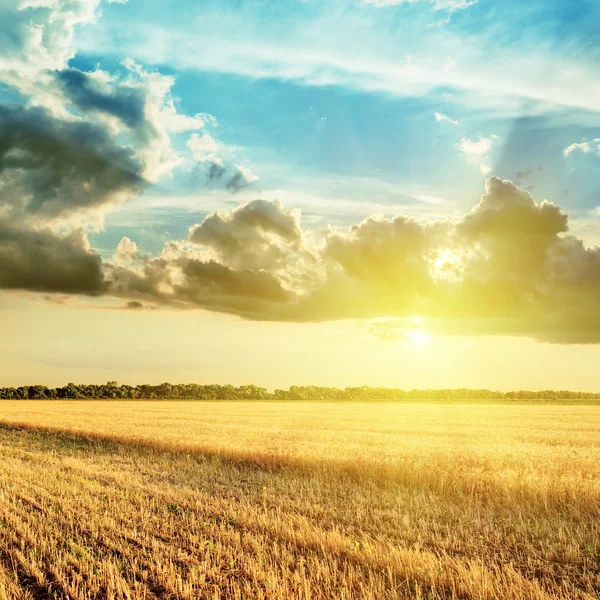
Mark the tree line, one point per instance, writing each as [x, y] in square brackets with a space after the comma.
[193, 391]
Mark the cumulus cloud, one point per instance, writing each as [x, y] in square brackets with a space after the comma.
[89, 92]
[36, 43]
[507, 267]
[137, 104]
[38, 35]
[45, 262]
[186, 278]
[51, 169]
[257, 235]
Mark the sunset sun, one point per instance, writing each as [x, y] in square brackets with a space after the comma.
[420, 337]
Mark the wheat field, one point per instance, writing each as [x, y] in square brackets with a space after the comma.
[293, 500]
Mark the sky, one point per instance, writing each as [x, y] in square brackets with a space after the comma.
[400, 193]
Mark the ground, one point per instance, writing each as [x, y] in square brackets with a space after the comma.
[299, 500]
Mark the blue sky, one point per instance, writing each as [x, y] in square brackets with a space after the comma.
[336, 101]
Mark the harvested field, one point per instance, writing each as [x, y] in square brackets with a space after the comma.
[299, 500]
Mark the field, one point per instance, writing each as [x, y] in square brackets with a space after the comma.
[299, 500]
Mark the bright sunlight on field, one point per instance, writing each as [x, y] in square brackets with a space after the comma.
[299, 500]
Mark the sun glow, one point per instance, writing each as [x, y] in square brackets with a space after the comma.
[420, 337]
[448, 264]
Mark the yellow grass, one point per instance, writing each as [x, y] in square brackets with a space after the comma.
[299, 500]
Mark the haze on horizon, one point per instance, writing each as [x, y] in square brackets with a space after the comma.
[397, 193]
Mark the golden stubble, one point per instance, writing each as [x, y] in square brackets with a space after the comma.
[299, 500]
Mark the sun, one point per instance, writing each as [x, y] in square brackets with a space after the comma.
[420, 337]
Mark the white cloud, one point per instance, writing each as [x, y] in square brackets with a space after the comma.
[447, 5]
[585, 147]
[452, 5]
[205, 148]
[478, 148]
[517, 77]
[442, 118]
[388, 2]
[42, 33]
[440, 22]
[476, 152]
[247, 174]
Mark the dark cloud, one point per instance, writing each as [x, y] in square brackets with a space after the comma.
[526, 178]
[53, 168]
[259, 235]
[186, 281]
[45, 262]
[215, 172]
[258, 218]
[125, 102]
[236, 182]
[232, 178]
[135, 305]
[247, 292]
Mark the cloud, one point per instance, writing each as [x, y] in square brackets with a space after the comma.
[393, 330]
[52, 168]
[528, 177]
[37, 42]
[81, 141]
[38, 35]
[135, 305]
[477, 151]
[184, 278]
[257, 235]
[442, 118]
[447, 5]
[78, 143]
[242, 177]
[384, 3]
[452, 5]
[506, 81]
[440, 22]
[147, 93]
[478, 148]
[586, 147]
[45, 262]
[507, 267]
[86, 141]
[206, 150]
[89, 93]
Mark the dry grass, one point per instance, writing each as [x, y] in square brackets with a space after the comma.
[303, 500]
